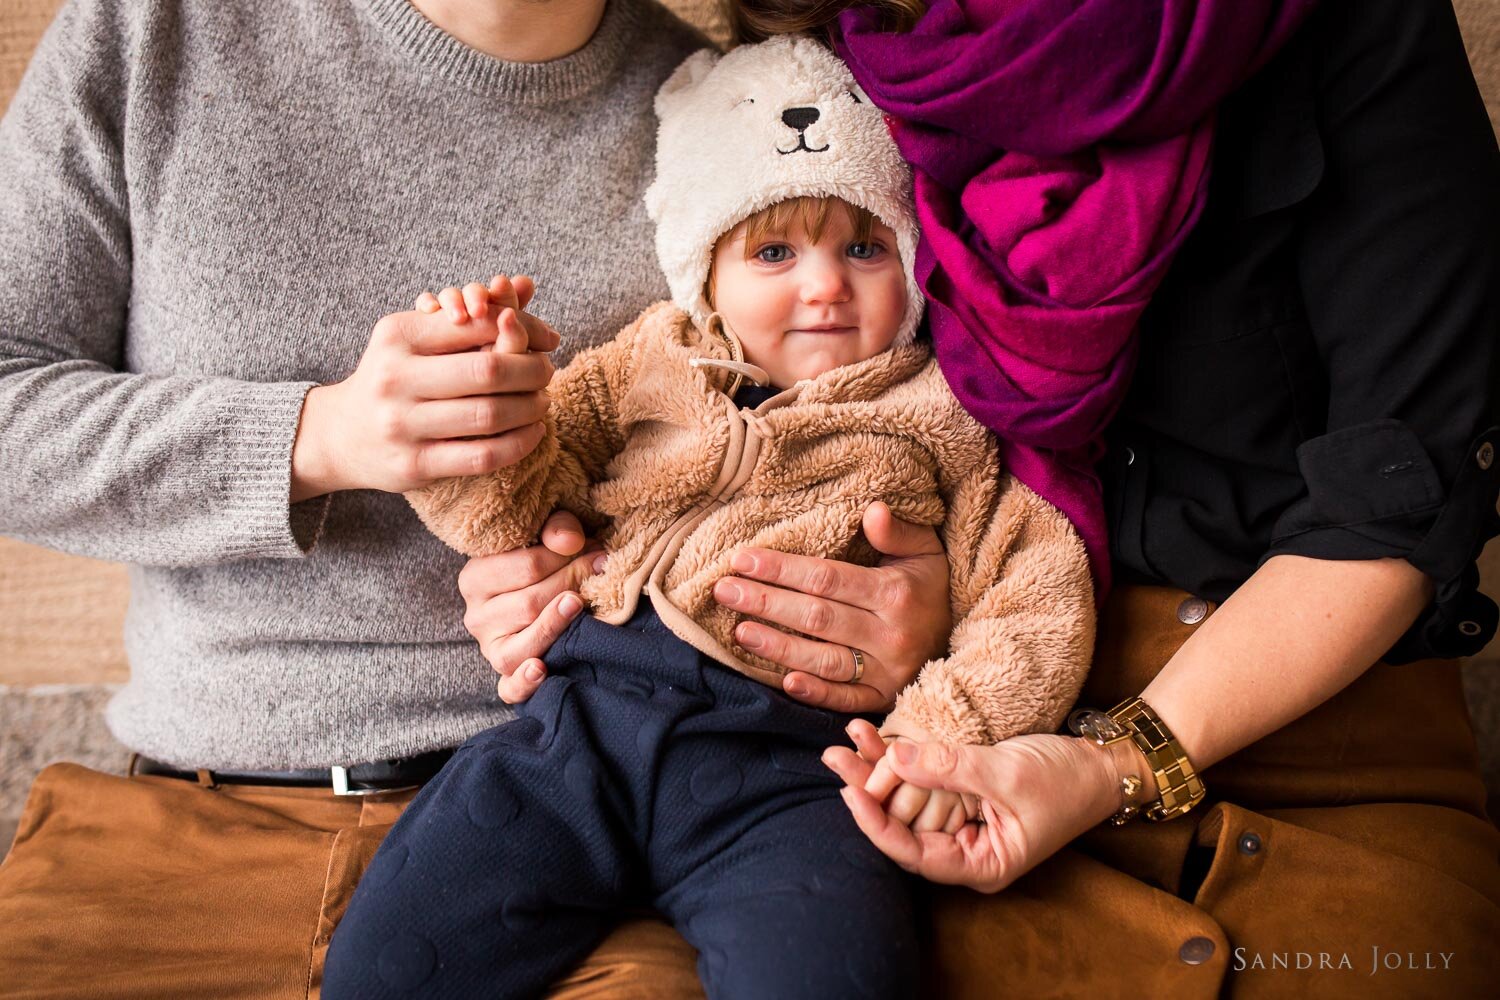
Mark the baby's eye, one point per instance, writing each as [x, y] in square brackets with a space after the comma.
[865, 251]
[774, 253]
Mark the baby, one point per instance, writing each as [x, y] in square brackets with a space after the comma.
[779, 394]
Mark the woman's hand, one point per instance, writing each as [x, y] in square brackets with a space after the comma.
[426, 402]
[1036, 793]
[519, 602]
[896, 613]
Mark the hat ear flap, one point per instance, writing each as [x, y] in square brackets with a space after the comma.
[684, 78]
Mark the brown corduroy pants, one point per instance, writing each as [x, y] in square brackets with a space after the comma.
[1345, 855]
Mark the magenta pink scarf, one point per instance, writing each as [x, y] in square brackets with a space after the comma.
[1061, 151]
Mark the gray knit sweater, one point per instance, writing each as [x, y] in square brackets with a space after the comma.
[204, 207]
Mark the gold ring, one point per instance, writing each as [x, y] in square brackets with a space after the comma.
[859, 665]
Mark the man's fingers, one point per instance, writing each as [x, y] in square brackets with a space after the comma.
[563, 533]
[476, 373]
[445, 459]
[432, 333]
[814, 616]
[843, 582]
[533, 641]
[830, 661]
[851, 699]
[522, 682]
[539, 336]
[501, 606]
[476, 416]
[892, 536]
[485, 577]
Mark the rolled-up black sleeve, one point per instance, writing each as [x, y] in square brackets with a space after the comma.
[1400, 267]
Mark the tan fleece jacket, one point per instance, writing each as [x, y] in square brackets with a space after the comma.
[649, 447]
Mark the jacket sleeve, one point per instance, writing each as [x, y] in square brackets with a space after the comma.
[1400, 266]
[1023, 603]
[151, 469]
[505, 509]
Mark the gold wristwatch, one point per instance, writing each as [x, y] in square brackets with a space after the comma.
[1178, 787]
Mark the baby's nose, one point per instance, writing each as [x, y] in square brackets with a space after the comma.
[799, 118]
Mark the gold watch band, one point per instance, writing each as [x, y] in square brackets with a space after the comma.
[1178, 786]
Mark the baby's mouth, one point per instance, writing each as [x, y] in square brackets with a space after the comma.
[825, 329]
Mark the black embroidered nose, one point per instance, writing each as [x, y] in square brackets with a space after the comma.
[799, 118]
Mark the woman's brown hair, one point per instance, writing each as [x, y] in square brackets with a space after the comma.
[757, 20]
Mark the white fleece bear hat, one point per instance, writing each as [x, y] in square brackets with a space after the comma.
[763, 124]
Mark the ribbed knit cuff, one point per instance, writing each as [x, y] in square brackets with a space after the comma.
[258, 426]
[523, 83]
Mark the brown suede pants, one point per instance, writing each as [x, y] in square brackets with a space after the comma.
[1346, 855]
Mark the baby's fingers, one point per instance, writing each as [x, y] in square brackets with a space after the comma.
[477, 300]
[427, 303]
[883, 780]
[907, 802]
[938, 813]
[452, 301]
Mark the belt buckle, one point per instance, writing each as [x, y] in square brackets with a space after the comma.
[340, 777]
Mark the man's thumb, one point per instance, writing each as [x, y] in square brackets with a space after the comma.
[936, 765]
[892, 536]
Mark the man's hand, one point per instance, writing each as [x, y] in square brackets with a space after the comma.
[429, 400]
[896, 613]
[519, 602]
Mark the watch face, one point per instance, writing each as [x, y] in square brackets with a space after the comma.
[1095, 725]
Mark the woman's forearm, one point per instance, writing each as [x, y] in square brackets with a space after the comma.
[1297, 632]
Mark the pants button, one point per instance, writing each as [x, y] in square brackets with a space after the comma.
[1196, 950]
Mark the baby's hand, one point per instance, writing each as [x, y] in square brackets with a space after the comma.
[922, 809]
[503, 300]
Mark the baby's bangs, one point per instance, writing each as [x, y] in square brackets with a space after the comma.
[776, 222]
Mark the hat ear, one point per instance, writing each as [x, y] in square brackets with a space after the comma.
[684, 78]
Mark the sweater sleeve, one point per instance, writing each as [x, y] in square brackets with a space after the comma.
[503, 510]
[1023, 603]
[151, 469]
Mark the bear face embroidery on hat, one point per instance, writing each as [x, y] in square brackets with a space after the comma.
[763, 124]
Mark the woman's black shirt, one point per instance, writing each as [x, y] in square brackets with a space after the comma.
[1318, 373]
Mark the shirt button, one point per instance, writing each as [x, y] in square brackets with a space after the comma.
[1196, 950]
[1192, 611]
[1249, 843]
[1485, 456]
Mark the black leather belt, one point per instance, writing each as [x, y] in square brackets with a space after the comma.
[358, 779]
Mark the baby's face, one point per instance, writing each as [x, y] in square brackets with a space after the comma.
[801, 308]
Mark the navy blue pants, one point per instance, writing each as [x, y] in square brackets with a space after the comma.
[640, 774]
